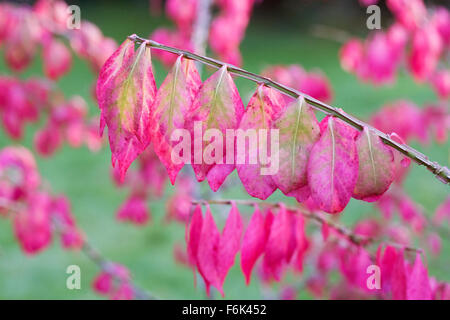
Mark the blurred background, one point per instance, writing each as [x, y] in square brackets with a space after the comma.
[280, 32]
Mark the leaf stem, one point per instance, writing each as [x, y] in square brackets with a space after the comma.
[441, 172]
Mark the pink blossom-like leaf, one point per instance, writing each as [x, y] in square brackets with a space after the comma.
[56, 59]
[299, 131]
[125, 91]
[418, 283]
[229, 244]
[134, 210]
[208, 247]
[399, 278]
[333, 166]
[376, 167]
[217, 106]
[32, 225]
[253, 243]
[264, 105]
[402, 162]
[280, 244]
[216, 252]
[442, 212]
[193, 233]
[387, 262]
[172, 103]
[302, 242]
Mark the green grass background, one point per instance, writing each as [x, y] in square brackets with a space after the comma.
[280, 37]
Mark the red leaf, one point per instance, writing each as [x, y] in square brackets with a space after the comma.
[279, 246]
[399, 279]
[208, 247]
[193, 233]
[302, 242]
[418, 283]
[253, 243]
[230, 242]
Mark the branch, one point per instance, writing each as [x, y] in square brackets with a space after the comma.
[201, 28]
[441, 172]
[90, 252]
[320, 220]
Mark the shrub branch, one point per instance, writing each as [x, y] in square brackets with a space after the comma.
[441, 172]
[320, 220]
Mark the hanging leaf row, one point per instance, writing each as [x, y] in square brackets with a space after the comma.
[329, 162]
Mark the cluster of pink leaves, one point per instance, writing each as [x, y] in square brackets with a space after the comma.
[20, 184]
[226, 33]
[419, 39]
[114, 282]
[413, 123]
[277, 243]
[24, 101]
[23, 29]
[279, 238]
[400, 278]
[37, 217]
[329, 162]
[147, 181]
[314, 84]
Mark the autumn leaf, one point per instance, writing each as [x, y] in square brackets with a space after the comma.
[280, 245]
[299, 131]
[172, 103]
[333, 165]
[376, 167]
[125, 91]
[217, 106]
[263, 108]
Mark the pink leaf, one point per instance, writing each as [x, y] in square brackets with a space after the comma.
[32, 225]
[418, 283]
[442, 212]
[299, 131]
[399, 279]
[56, 59]
[125, 91]
[217, 106]
[253, 243]
[172, 103]
[264, 105]
[207, 253]
[279, 246]
[333, 166]
[302, 242]
[376, 167]
[230, 242]
[134, 210]
[193, 233]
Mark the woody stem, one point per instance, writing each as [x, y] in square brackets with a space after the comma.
[352, 237]
[441, 172]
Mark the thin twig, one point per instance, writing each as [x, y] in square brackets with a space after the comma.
[93, 254]
[441, 172]
[330, 33]
[320, 220]
[201, 28]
